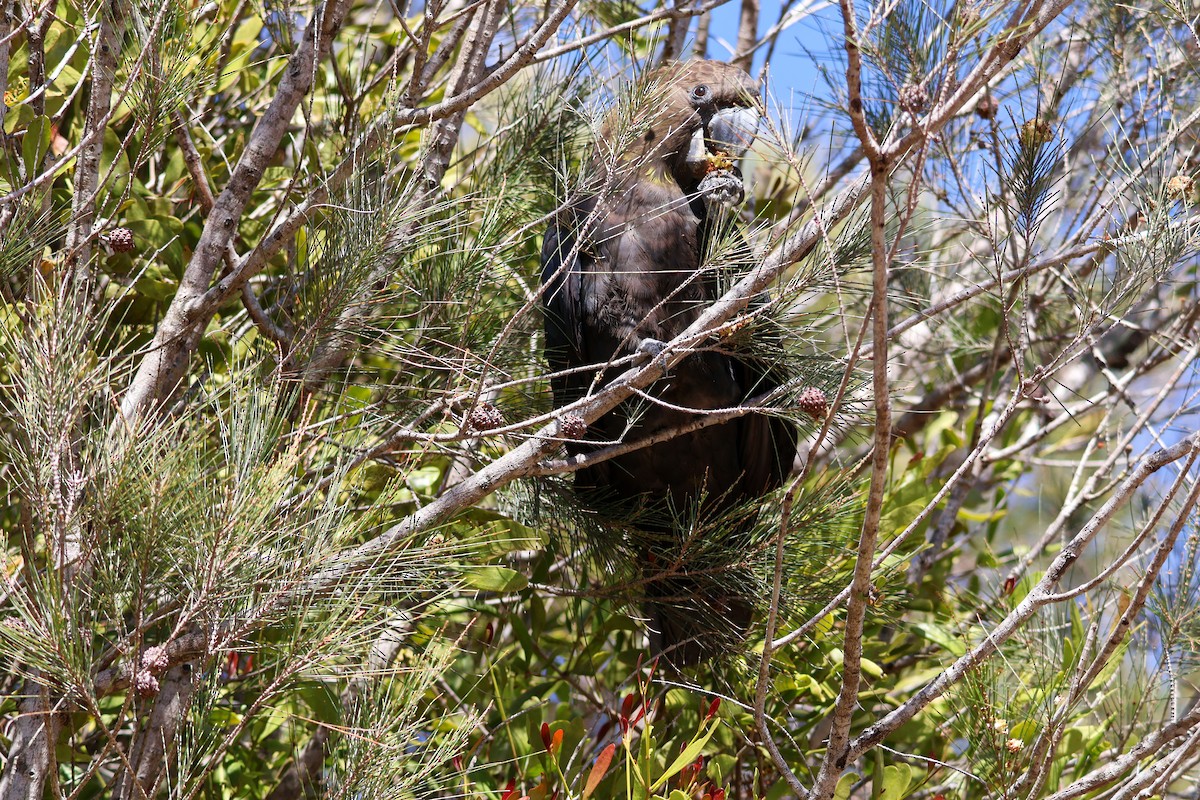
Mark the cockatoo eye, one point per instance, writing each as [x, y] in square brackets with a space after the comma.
[700, 95]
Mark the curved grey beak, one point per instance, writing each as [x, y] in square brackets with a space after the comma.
[728, 132]
[731, 130]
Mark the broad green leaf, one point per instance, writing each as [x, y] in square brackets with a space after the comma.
[844, 785]
[942, 637]
[495, 579]
[896, 778]
[424, 479]
[1024, 730]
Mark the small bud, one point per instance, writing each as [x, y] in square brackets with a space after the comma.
[484, 416]
[913, 98]
[712, 708]
[1183, 187]
[986, 107]
[1000, 726]
[155, 660]
[145, 684]
[572, 426]
[120, 240]
[1014, 745]
[812, 401]
[1036, 133]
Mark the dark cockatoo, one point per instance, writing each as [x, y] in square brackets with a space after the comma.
[624, 270]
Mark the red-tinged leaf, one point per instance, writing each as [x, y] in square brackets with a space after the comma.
[626, 708]
[712, 709]
[719, 794]
[510, 790]
[1010, 583]
[603, 761]
[546, 735]
[488, 633]
[650, 678]
[642, 708]
[458, 763]
[556, 742]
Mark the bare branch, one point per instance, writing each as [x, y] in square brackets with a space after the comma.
[163, 366]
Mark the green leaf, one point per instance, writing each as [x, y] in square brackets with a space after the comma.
[524, 637]
[844, 785]
[36, 144]
[1024, 730]
[495, 579]
[424, 480]
[942, 637]
[22, 115]
[896, 778]
[114, 160]
[320, 700]
[1113, 664]
[155, 233]
[721, 766]
[689, 753]
[157, 283]
[779, 791]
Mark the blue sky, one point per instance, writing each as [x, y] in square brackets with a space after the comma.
[792, 68]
